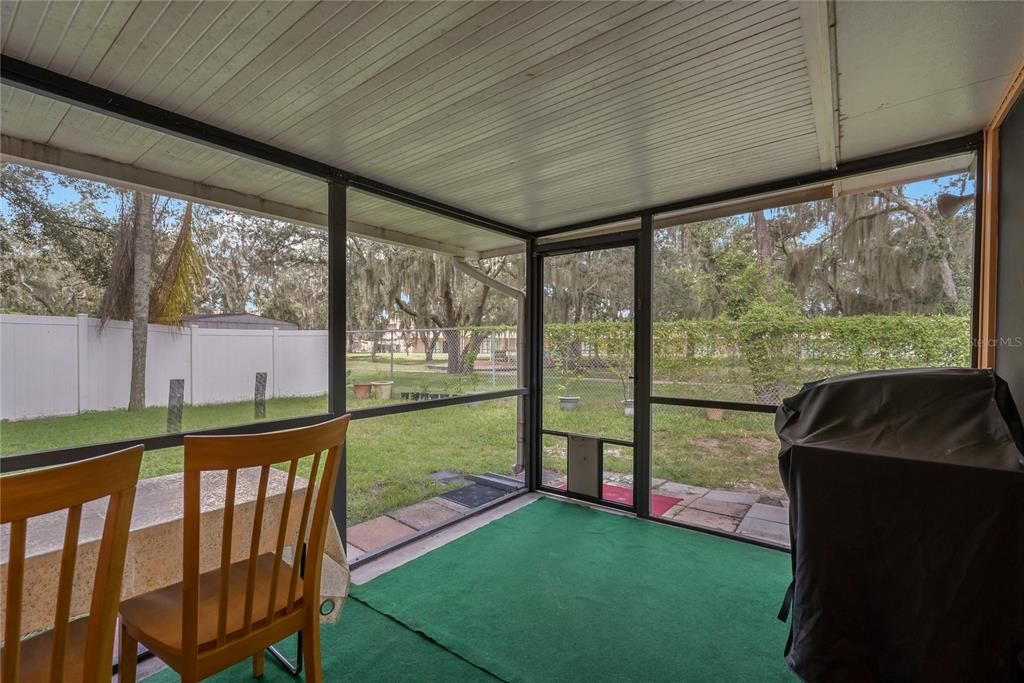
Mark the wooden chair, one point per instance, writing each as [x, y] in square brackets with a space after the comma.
[217, 618]
[80, 650]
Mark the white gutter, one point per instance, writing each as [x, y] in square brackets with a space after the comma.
[520, 297]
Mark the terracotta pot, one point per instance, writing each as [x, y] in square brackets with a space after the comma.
[362, 389]
[715, 414]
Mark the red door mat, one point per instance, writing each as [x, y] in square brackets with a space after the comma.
[621, 494]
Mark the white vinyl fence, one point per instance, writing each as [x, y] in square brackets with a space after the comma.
[67, 365]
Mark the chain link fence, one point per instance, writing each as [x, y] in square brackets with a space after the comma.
[395, 364]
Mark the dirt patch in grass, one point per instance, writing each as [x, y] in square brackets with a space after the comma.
[760, 446]
[735, 447]
[709, 444]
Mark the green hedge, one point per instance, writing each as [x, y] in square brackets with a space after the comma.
[766, 348]
[768, 345]
[856, 342]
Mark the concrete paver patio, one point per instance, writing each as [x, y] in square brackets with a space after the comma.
[397, 524]
[376, 533]
[737, 511]
[742, 512]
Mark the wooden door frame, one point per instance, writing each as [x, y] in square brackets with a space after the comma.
[988, 192]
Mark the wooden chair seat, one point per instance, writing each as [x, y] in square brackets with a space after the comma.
[36, 652]
[155, 617]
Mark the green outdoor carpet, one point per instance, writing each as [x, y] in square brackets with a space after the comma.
[363, 647]
[561, 592]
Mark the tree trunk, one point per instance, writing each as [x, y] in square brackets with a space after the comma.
[763, 237]
[375, 338]
[453, 347]
[141, 285]
[469, 354]
[428, 339]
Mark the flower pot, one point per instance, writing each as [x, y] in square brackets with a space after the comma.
[568, 402]
[362, 389]
[627, 407]
[714, 414]
[382, 390]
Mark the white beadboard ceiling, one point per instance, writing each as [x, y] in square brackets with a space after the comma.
[537, 114]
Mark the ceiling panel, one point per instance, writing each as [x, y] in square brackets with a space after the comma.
[500, 108]
[533, 113]
[33, 117]
[651, 91]
[914, 72]
[104, 136]
[586, 84]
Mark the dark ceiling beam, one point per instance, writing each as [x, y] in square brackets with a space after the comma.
[903, 157]
[25, 76]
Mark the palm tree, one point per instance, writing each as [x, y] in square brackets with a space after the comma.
[131, 292]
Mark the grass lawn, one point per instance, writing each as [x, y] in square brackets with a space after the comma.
[390, 458]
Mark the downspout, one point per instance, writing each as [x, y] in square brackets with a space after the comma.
[520, 297]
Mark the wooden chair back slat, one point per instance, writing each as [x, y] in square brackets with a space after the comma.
[227, 532]
[303, 520]
[190, 563]
[15, 583]
[254, 547]
[69, 487]
[282, 533]
[318, 532]
[105, 603]
[64, 586]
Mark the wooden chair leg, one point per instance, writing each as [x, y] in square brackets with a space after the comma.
[128, 658]
[311, 650]
[257, 665]
[189, 670]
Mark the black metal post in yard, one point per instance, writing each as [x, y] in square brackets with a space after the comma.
[175, 405]
[259, 399]
[643, 273]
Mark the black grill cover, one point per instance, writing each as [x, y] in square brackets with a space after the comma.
[907, 520]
